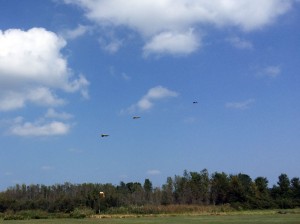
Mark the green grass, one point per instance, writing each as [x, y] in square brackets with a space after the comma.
[203, 219]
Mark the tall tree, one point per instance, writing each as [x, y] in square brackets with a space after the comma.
[167, 192]
[148, 190]
[295, 188]
[219, 188]
[284, 185]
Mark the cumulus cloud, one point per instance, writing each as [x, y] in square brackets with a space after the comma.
[52, 123]
[79, 31]
[170, 19]
[272, 71]
[32, 68]
[153, 172]
[39, 129]
[8, 173]
[172, 43]
[14, 99]
[190, 120]
[243, 105]
[111, 46]
[51, 113]
[47, 168]
[147, 101]
[240, 43]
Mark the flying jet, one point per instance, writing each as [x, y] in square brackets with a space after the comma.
[104, 135]
[195, 102]
[136, 117]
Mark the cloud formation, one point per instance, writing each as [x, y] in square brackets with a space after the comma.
[272, 71]
[153, 172]
[52, 123]
[147, 101]
[243, 105]
[32, 68]
[26, 129]
[51, 113]
[79, 31]
[172, 20]
[172, 43]
[240, 43]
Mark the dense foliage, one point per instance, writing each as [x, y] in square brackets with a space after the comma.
[193, 188]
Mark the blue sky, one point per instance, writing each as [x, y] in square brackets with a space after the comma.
[73, 70]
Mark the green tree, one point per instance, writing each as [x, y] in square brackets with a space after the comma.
[284, 186]
[182, 189]
[148, 190]
[262, 193]
[219, 188]
[241, 191]
[167, 192]
[262, 185]
[199, 184]
[282, 193]
[295, 188]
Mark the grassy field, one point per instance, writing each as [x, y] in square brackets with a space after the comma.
[203, 219]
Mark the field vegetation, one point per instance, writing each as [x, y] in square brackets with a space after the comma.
[193, 193]
[249, 217]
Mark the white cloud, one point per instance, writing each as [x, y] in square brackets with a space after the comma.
[21, 128]
[46, 125]
[47, 168]
[111, 46]
[240, 105]
[43, 96]
[190, 120]
[8, 173]
[32, 68]
[272, 71]
[125, 76]
[147, 101]
[240, 43]
[153, 19]
[14, 99]
[79, 84]
[153, 172]
[79, 31]
[11, 100]
[172, 43]
[51, 113]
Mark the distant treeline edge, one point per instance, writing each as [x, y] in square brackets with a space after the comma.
[192, 188]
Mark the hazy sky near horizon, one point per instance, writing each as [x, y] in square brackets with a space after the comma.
[71, 70]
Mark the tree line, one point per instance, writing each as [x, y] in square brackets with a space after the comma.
[192, 188]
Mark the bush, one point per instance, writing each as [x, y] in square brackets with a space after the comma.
[80, 213]
[118, 210]
[13, 217]
[33, 214]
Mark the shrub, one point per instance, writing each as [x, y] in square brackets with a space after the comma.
[33, 214]
[13, 217]
[80, 213]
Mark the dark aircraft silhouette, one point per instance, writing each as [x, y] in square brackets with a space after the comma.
[136, 117]
[104, 135]
[195, 102]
